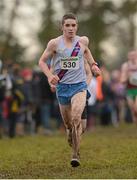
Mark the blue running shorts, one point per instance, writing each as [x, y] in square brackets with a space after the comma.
[65, 92]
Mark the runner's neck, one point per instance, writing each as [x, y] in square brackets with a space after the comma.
[68, 41]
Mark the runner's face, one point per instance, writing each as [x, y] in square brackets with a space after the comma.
[70, 28]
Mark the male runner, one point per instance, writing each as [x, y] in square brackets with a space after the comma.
[68, 52]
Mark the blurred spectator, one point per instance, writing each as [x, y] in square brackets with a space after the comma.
[119, 97]
[5, 86]
[29, 101]
[16, 101]
[105, 103]
[37, 100]
[92, 112]
[47, 100]
[129, 78]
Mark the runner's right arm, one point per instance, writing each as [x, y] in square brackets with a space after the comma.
[49, 52]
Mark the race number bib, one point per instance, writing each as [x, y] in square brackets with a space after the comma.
[70, 63]
[133, 79]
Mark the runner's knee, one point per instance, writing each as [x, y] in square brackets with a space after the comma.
[76, 117]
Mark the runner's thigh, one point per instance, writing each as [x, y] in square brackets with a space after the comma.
[78, 102]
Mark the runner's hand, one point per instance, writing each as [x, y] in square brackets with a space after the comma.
[95, 70]
[53, 80]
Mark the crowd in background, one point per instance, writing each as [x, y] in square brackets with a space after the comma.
[108, 104]
[27, 105]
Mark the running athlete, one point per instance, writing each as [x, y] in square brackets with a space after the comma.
[129, 77]
[68, 52]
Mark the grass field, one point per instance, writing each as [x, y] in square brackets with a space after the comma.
[106, 153]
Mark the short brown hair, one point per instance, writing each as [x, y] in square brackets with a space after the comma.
[68, 16]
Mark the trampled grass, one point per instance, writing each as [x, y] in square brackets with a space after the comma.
[106, 153]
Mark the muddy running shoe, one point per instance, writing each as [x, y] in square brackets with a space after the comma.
[75, 162]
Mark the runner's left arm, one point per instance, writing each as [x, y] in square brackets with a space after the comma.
[93, 65]
[87, 54]
[88, 72]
